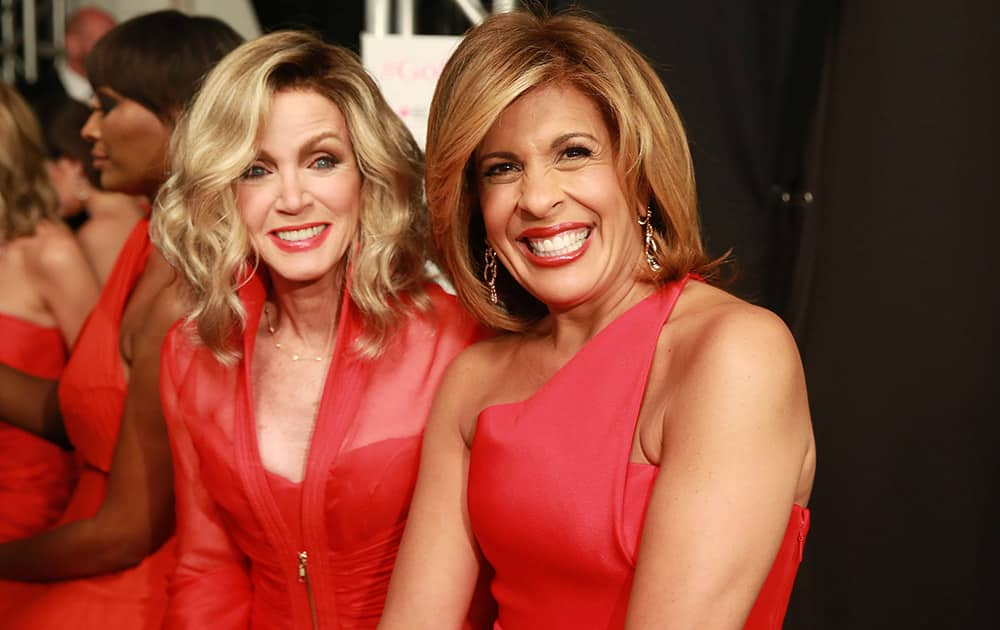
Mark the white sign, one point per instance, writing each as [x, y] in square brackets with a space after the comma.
[407, 68]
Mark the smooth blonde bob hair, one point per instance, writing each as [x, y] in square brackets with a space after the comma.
[26, 195]
[200, 231]
[497, 62]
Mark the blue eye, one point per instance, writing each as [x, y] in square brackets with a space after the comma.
[256, 171]
[325, 162]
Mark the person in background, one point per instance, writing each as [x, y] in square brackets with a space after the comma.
[66, 78]
[102, 219]
[46, 291]
[106, 561]
[562, 203]
[297, 390]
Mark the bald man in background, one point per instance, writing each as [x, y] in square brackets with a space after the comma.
[65, 77]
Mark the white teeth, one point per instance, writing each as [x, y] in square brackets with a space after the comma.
[300, 235]
[559, 245]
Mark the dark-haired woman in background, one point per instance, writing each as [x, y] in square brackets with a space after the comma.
[103, 219]
[46, 292]
[109, 556]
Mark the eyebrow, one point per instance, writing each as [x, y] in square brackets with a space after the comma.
[321, 136]
[309, 143]
[556, 142]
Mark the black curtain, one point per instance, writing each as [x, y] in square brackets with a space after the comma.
[897, 322]
[744, 76]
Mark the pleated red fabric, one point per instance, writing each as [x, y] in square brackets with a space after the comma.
[257, 550]
[92, 398]
[555, 504]
[36, 476]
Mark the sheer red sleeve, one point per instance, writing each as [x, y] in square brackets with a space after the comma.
[210, 587]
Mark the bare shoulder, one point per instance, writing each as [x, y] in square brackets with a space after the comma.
[726, 353]
[713, 325]
[54, 250]
[472, 382]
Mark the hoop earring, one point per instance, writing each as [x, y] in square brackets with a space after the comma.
[490, 273]
[650, 244]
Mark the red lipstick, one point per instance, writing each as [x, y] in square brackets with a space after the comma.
[549, 232]
[303, 245]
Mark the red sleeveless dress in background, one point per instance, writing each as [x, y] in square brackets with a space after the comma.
[555, 504]
[36, 476]
[92, 398]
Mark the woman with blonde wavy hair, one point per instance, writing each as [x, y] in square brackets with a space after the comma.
[46, 291]
[636, 451]
[297, 389]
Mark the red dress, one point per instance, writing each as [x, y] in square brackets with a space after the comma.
[259, 551]
[92, 398]
[36, 476]
[555, 504]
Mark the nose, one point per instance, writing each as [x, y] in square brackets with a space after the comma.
[540, 193]
[291, 197]
[91, 130]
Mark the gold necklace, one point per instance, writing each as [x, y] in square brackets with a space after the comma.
[295, 356]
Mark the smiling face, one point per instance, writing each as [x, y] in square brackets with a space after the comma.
[129, 144]
[552, 199]
[301, 197]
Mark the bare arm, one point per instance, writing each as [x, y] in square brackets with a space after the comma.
[736, 437]
[32, 404]
[136, 516]
[65, 280]
[438, 564]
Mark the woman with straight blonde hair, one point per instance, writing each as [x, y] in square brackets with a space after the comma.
[636, 450]
[297, 389]
[46, 291]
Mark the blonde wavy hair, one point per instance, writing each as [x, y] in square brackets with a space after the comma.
[503, 58]
[199, 230]
[26, 194]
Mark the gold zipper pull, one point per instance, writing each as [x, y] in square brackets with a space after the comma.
[303, 560]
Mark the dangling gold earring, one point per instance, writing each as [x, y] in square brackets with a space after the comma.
[650, 244]
[490, 273]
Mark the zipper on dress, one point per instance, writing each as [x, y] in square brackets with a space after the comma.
[304, 578]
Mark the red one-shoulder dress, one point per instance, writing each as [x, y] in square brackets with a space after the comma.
[36, 476]
[92, 398]
[555, 504]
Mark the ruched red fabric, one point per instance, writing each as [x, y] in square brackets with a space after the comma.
[555, 504]
[36, 476]
[92, 398]
[241, 529]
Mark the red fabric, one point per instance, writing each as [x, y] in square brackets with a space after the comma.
[554, 502]
[92, 397]
[240, 528]
[36, 476]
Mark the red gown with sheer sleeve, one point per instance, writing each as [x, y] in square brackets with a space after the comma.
[555, 504]
[257, 550]
[92, 398]
[36, 476]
